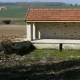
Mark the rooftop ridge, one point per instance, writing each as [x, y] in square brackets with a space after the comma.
[53, 8]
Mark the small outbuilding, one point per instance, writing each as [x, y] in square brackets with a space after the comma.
[3, 8]
[47, 23]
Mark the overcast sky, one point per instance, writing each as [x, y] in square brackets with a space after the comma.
[66, 1]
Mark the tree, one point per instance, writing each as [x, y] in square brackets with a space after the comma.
[71, 4]
[76, 4]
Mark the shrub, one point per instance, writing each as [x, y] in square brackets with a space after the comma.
[7, 21]
[8, 46]
[22, 47]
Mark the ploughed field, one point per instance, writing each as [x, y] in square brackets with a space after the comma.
[12, 31]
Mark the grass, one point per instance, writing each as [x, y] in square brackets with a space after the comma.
[14, 22]
[13, 13]
[48, 55]
[19, 22]
[17, 13]
[55, 53]
[20, 11]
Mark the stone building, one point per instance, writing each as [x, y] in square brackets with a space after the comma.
[53, 24]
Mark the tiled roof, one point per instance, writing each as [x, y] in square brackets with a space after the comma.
[48, 14]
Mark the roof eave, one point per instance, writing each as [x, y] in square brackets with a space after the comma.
[53, 21]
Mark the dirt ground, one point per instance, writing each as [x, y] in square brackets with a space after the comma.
[12, 31]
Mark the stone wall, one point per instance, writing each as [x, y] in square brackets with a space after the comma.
[57, 46]
[58, 30]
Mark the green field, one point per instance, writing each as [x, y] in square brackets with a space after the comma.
[20, 12]
[17, 13]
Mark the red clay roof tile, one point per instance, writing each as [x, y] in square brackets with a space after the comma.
[47, 14]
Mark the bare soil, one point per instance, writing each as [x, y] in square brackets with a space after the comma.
[12, 31]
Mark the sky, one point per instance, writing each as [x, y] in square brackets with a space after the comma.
[66, 1]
